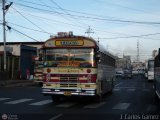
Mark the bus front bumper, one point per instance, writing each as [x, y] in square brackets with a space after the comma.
[150, 77]
[69, 92]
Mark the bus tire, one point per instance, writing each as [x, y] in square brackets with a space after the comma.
[55, 99]
[112, 86]
[98, 98]
[111, 91]
[40, 84]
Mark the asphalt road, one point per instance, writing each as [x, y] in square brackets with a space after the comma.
[131, 99]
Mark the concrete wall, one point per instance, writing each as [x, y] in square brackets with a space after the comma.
[15, 49]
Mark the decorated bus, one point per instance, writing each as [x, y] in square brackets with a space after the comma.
[150, 69]
[76, 66]
[157, 74]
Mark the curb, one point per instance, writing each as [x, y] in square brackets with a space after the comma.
[17, 83]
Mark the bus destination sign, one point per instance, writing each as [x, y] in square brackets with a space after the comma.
[69, 42]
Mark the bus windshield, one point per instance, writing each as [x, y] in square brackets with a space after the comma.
[151, 65]
[69, 57]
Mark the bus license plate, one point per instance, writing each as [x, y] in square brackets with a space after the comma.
[67, 93]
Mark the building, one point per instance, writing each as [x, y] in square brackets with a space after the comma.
[124, 62]
[19, 58]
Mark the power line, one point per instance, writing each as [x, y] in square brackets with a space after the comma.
[11, 28]
[94, 18]
[51, 8]
[29, 28]
[91, 14]
[28, 19]
[133, 36]
[25, 35]
[68, 19]
[126, 35]
[85, 27]
[65, 11]
[51, 20]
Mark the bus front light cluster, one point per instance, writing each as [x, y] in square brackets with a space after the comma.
[88, 70]
[89, 78]
[48, 77]
[48, 70]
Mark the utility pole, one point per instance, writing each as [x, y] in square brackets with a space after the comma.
[4, 34]
[89, 31]
[137, 50]
[4, 8]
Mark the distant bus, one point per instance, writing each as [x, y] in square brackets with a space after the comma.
[157, 74]
[146, 69]
[76, 66]
[150, 69]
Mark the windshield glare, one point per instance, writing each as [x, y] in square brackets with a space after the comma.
[69, 57]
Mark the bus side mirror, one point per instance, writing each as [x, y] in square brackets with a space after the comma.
[98, 56]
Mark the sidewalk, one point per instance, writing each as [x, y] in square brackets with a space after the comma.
[17, 83]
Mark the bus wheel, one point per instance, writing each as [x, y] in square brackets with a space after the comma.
[56, 99]
[98, 98]
[40, 84]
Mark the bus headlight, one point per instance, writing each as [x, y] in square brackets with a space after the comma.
[48, 77]
[89, 78]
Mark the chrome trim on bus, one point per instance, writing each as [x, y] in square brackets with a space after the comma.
[68, 83]
[61, 91]
[68, 88]
[72, 93]
[88, 89]
[63, 88]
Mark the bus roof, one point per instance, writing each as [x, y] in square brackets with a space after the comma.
[70, 41]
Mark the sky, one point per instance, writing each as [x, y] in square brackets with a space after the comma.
[119, 25]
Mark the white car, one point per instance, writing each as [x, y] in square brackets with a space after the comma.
[119, 74]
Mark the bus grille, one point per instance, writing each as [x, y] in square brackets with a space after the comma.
[68, 80]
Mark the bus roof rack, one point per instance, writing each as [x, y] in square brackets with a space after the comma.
[64, 34]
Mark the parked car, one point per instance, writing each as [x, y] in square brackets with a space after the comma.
[119, 74]
[135, 72]
[127, 74]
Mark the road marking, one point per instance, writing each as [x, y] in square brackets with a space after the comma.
[94, 105]
[127, 87]
[1, 99]
[131, 89]
[18, 101]
[116, 89]
[118, 84]
[151, 107]
[44, 102]
[55, 117]
[146, 90]
[66, 105]
[121, 106]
